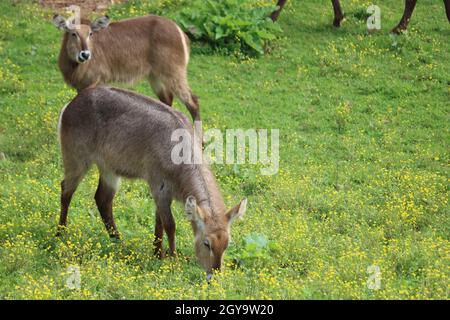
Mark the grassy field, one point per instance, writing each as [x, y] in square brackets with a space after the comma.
[363, 179]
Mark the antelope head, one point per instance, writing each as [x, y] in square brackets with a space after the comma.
[212, 232]
[80, 36]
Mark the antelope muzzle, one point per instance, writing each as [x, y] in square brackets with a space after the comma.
[84, 56]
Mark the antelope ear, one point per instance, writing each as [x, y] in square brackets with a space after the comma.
[60, 22]
[193, 212]
[238, 211]
[100, 23]
[191, 207]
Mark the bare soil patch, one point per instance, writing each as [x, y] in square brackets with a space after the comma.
[85, 5]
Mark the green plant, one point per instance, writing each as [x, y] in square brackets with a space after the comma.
[256, 246]
[229, 25]
[343, 115]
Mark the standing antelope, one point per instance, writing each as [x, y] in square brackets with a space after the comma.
[404, 21]
[126, 51]
[126, 134]
[339, 15]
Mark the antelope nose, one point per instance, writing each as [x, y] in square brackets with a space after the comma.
[85, 55]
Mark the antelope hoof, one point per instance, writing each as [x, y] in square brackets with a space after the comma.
[159, 253]
[60, 231]
[114, 236]
[398, 30]
[338, 21]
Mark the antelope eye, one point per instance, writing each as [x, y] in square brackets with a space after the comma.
[206, 243]
[90, 34]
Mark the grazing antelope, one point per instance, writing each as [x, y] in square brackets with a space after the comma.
[127, 134]
[126, 51]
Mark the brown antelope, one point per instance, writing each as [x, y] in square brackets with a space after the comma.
[126, 51]
[129, 135]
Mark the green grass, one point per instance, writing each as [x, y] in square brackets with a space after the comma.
[363, 180]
